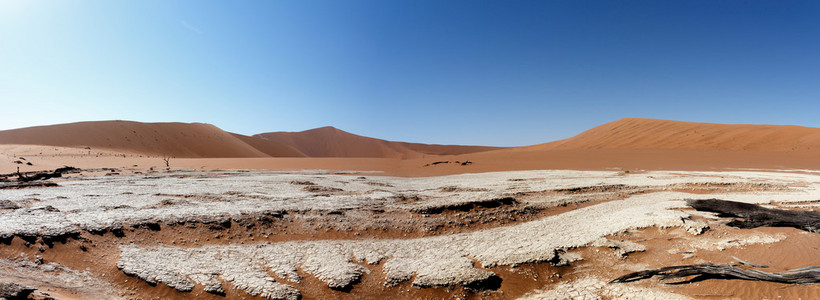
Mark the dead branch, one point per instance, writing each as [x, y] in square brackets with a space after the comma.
[45, 175]
[805, 275]
[746, 263]
[751, 216]
[745, 216]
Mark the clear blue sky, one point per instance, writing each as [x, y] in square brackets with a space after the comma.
[463, 72]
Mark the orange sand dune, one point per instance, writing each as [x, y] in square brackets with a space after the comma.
[271, 148]
[332, 142]
[634, 133]
[627, 144]
[172, 139]
[650, 144]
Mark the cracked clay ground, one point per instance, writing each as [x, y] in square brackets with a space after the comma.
[311, 234]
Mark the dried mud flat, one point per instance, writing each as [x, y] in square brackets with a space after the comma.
[311, 234]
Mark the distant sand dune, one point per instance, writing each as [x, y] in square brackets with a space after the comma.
[626, 144]
[635, 133]
[332, 142]
[194, 140]
[271, 148]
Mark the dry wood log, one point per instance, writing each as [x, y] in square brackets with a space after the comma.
[746, 263]
[34, 176]
[746, 216]
[752, 216]
[805, 275]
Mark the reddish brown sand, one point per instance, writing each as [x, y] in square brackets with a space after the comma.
[627, 144]
[171, 139]
[635, 133]
[332, 142]
[602, 159]
[798, 249]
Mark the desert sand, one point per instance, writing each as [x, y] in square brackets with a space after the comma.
[327, 214]
[332, 142]
[157, 139]
[626, 144]
[635, 133]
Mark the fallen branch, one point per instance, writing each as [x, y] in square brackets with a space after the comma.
[753, 216]
[746, 263]
[805, 275]
[33, 176]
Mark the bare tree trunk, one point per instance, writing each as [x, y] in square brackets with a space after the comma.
[805, 275]
[752, 216]
[746, 216]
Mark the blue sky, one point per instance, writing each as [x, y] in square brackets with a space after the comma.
[465, 72]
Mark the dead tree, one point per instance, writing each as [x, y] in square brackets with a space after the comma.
[745, 216]
[167, 160]
[752, 216]
[34, 176]
[805, 275]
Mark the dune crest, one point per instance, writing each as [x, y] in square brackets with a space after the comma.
[194, 140]
[626, 143]
[637, 133]
[331, 142]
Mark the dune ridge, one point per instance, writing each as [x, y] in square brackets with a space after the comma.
[626, 143]
[199, 140]
[331, 142]
[639, 133]
[193, 140]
